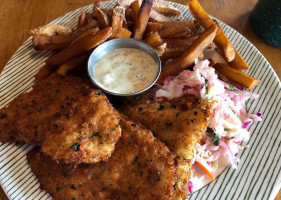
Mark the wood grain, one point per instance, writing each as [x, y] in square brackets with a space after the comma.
[18, 16]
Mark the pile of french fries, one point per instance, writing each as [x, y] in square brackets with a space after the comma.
[174, 41]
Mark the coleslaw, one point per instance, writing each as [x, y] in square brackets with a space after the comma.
[227, 128]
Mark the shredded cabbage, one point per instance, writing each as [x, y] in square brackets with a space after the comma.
[229, 121]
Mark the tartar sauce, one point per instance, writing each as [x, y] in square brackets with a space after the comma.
[125, 70]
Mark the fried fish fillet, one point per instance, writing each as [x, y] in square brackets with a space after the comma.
[179, 123]
[141, 167]
[65, 116]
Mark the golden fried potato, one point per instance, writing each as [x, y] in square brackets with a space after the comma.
[73, 64]
[186, 41]
[118, 16]
[81, 47]
[141, 167]
[190, 24]
[57, 42]
[222, 42]
[85, 34]
[188, 57]
[101, 17]
[165, 8]
[153, 27]
[173, 52]
[51, 30]
[142, 19]
[157, 17]
[153, 40]
[161, 49]
[236, 75]
[174, 32]
[70, 121]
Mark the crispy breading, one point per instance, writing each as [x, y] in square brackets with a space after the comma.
[70, 120]
[179, 123]
[141, 167]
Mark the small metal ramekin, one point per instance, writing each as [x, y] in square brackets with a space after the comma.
[111, 45]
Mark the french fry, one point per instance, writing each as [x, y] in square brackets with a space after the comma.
[107, 11]
[160, 49]
[117, 21]
[154, 40]
[81, 47]
[88, 22]
[135, 6]
[101, 17]
[130, 15]
[43, 42]
[181, 41]
[238, 62]
[173, 52]
[142, 19]
[45, 72]
[222, 42]
[174, 32]
[72, 64]
[188, 57]
[190, 24]
[116, 24]
[82, 21]
[51, 30]
[236, 75]
[212, 62]
[224, 45]
[119, 10]
[157, 17]
[153, 27]
[124, 33]
[97, 3]
[165, 8]
[127, 3]
[84, 35]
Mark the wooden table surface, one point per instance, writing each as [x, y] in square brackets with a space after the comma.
[17, 17]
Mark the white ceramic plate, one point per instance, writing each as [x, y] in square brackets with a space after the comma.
[258, 175]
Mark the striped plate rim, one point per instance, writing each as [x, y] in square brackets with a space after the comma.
[258, 175]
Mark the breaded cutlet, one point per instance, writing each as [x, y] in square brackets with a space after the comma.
[179, 123]
[69, 119]
[141, 167]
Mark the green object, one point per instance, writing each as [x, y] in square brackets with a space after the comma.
[266, 21]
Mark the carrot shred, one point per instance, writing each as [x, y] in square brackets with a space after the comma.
[209, 174]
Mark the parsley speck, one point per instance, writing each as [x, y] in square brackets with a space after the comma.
[75, 146]
[209, 130]
[135, 160]
[169, 124]
[96, 134]
[57, 114]
[216, 139]
[161, 107]
[35, 134]
[206, 86]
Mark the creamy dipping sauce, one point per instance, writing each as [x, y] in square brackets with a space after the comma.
[125, 70]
